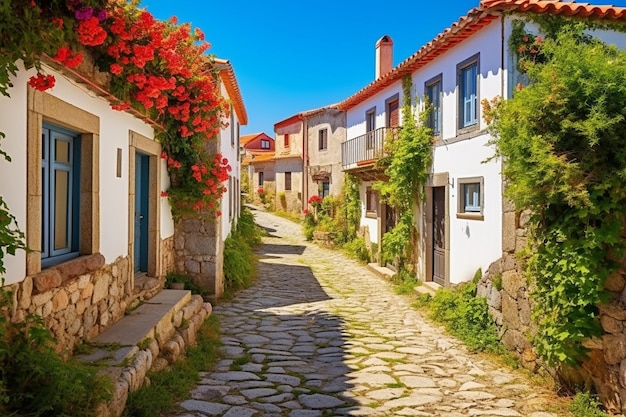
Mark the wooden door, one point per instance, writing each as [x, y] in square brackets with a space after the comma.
[439, 235]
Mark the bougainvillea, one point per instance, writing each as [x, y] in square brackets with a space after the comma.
[159, 68]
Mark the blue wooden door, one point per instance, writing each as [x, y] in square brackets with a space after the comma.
[142, 181]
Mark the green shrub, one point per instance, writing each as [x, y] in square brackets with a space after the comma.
[405, 282]
[466, 317]
[357, 249]
[239, 260]
[585, 405]
[36, 381]
[166, 388]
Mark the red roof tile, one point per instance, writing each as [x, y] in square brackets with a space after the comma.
[227, 74]
[476, 19]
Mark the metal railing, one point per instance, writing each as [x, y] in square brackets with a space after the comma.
[366, 148]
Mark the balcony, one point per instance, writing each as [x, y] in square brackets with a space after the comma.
[363, 151]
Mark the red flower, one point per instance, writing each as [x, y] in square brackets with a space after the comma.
[57, 21]
[42, 82]
[315, 199]
[163, 193]
[120, 106]
[90, 32]
[116, 69]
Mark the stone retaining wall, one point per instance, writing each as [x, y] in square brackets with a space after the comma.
[507, 293]
[80, 298]
[171, 343]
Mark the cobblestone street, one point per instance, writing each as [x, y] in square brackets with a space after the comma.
[320, 335]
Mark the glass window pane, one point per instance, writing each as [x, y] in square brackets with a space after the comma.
[61, 151]
[61, 209]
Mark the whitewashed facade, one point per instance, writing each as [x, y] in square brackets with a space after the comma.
[461, 224]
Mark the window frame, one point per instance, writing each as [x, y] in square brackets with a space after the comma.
[372, 198]
[50, 166]
[475, 212]
[370, 127]
[324, 189]
[288, 181]
[322, 138]
[43, 107]
[388, 102]
[286, 140]
[264, 142]
[435, 117]
[464, 125]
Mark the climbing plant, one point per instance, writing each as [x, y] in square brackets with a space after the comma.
[157, 68]
[562, 140]
[410, 157]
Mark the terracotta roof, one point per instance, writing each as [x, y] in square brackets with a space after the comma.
[262, 157]
[468, 25]
[227, 74]
[302, 115]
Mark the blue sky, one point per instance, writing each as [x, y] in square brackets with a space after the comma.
[290, 56]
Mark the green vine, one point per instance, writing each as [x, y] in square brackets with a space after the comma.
[407, 172]
[562, 139]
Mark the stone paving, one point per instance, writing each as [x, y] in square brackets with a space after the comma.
[319, 335]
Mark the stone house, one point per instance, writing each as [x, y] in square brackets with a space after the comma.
[325, 133]
[258, 151]
[88, 192]
[307, 156]
[199, 243]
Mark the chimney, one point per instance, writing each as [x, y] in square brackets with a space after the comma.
[384, 56]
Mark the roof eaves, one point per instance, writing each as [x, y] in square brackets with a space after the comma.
[227, 74]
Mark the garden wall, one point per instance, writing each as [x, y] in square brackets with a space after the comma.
[507, 293]
[79, 299]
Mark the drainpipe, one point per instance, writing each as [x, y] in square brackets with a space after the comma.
[305, 162]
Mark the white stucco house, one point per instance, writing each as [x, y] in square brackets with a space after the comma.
[462, 224]
[87, 185]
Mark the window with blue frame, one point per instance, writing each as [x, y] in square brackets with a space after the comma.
[468, 92]
[60, 222]
[471, 197]
[471, 202]
[434, 92]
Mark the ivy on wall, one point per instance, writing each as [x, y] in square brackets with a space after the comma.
[410, 157]
[562, 138]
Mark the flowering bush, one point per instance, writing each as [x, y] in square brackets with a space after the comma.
[158, 68]
[528, 47]
[315, 200]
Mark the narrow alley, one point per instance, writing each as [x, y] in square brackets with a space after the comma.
[320, 335]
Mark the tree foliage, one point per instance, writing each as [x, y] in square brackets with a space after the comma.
[562, 138]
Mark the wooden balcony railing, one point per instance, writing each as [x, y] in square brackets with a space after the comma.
[367, 148]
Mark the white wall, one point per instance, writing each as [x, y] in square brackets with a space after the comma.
[473, 243]
[229, 147]
[370, 222]
[114, 133]
[355, 117]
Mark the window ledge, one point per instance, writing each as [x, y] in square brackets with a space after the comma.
[470, 216]
[371, 215]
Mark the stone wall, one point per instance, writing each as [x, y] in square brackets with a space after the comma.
[77, 299]
[507, 293]
[199, 252]
[170, 343]
[80, 298]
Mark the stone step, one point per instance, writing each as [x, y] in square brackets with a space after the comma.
[381, 271]
[151, 320]
[428, 287]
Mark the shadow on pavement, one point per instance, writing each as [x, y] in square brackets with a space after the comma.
[272, 249]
